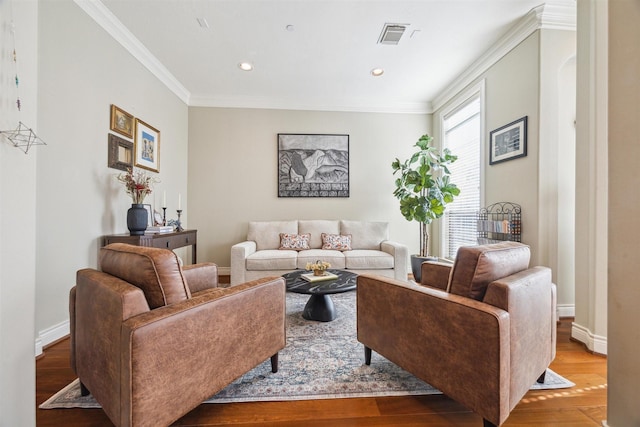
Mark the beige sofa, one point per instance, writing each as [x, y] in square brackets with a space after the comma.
[371, 250]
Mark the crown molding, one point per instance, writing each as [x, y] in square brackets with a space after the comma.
[555, 15]
[112, 25]
[360, 106]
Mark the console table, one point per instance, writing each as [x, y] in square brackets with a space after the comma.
[171, 241]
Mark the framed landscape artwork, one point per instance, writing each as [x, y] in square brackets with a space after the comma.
[508, 142]
[313, 165]
[121, 121]
[147, 146]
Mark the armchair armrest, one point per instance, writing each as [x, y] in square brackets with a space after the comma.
[239, 253]
[435, 274]
[201, 276]
[235, 329]
[458, 345]
[400, 254]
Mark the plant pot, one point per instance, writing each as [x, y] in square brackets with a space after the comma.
[416, 265]
[318, 272]
[137, 219]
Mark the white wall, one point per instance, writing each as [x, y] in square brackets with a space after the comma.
[17, 216]
[624, 214]
[82, 72]
[233, 165]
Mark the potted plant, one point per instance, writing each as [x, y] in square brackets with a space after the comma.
[137, 185]
[424, 190]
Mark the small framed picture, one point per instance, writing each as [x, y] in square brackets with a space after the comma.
[147, 146]
[149, 215]
[157, 218]
[121, 121]
[120, 153]
[508, 142]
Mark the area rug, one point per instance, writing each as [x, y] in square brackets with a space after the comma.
[322, 360]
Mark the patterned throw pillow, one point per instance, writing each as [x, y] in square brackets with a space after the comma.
[296, 242]
[336, 242]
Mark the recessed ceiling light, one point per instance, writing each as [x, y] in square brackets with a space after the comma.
[377, 72]
[245, 66]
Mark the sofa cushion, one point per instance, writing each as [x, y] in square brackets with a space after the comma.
[266, 234]
[336, 242]
[477, 266]
[316, 227]
[365, 235]
[156, 271]
[335, 258]
[366, 259]
[296, 242]
[272, 259]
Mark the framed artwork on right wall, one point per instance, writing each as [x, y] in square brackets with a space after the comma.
[508, 142]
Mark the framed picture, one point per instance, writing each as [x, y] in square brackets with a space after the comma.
[311, 165]
[147, 146]
[120, 153]
[121, 121]
[149, 215]
[508, 142]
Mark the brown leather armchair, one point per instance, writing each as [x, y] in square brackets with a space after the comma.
[151, 340]
[482, 330]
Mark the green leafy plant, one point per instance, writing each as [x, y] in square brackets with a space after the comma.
[424, 187]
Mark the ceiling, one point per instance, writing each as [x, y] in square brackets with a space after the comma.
[309, 54]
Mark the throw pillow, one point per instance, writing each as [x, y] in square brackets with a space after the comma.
[336, 242]
[296, 242]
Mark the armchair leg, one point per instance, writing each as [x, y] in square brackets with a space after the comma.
[84, 391]
[367, 355]
[274, 363]
[540, 379]
[487, 423]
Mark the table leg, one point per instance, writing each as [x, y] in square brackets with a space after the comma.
[320, 308]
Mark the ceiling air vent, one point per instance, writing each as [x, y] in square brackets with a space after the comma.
[391, 33]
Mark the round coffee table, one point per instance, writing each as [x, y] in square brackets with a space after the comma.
[320, 307]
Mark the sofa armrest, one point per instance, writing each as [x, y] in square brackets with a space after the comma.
[456, 344]
[201, 276]
[223, 332]
[435, 274]
[400, 254]
[239, 253]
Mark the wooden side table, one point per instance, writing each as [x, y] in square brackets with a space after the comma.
[171, 241]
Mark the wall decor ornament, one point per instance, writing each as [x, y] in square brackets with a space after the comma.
[121, 121]
[120, 153]
[313, 165]
[508, 142]
[147, 146]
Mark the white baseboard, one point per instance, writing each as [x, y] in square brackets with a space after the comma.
[566, 310]
[595, 343]
[224, 271]
[51, 335]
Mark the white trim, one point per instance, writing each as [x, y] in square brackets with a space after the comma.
[561, 15]
[351, 105]
[595, 343]
[566, 310]
[112, 25]
[51, 335]
[224, 271]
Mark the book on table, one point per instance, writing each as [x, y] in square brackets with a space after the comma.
[310, 277]
[160, 229]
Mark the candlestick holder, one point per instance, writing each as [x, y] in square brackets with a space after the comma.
[164, 215]
[178, 222]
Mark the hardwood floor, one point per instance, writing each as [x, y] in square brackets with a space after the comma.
[582, 405]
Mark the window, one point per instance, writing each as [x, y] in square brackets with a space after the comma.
[462, 135]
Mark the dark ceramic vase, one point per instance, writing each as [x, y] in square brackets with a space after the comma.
[137, 219]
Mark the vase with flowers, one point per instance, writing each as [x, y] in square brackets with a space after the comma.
[137, 185]
[318, 267]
